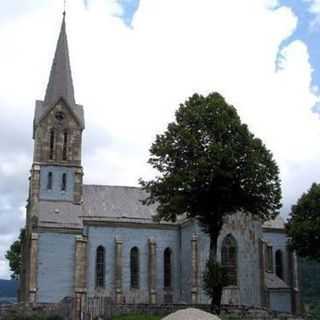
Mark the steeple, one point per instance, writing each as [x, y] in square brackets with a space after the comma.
[60, 82]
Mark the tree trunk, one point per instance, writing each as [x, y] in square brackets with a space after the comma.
[215, 306]
[213, 248]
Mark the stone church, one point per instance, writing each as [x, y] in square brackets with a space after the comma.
[100, 240]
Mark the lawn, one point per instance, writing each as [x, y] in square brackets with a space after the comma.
[136, 317]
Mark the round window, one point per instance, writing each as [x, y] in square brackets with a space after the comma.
[59, 116]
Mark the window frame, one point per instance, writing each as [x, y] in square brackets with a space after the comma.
[49, 180]
[279, 264]
[100, 267]
[269, 258]
[134, 268]
[229, 258]
[64, 180]
[167, 268]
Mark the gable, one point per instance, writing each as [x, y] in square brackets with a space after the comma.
[43, 112]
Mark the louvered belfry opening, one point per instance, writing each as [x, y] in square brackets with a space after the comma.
[52, 143]
[65, 146]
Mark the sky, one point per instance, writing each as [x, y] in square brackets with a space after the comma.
[134, 61]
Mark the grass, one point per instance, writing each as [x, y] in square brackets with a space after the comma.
[136, 317]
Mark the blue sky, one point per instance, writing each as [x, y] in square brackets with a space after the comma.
[134, 61]
[129, 9]
[308, 31]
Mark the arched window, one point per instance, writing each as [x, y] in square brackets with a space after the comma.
[49, 182]
[279, 264]
[134, 268]
[64, 182]
[269, 258]
[229, 258]
[51, 152]
[167, 268]
[100, 266]
[65, 145]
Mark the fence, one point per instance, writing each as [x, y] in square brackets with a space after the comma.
[97, 307]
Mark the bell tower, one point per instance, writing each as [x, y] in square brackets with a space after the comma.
[56, 174]
[57, 133]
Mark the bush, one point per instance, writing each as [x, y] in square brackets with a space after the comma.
[315, 311]
[215, 277]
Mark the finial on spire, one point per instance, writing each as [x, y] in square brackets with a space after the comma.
[64, 7]
[60, 83]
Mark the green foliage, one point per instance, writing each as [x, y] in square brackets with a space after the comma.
[310, 280]
[214, 276]
[304, 224]
[315, 311]
[210, 165]
[14, 256]
[137, 317]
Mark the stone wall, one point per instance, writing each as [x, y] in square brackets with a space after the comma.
[129, 238]
[42, 137]
[280, 300]
[189, 246]
[55, 193]
[55, 276]
[187, 230]
[227, 312]
[247, 234]
[279, 241]
[66, 310]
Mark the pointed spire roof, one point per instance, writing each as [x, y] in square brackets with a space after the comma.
[60, 85]
[60, 82]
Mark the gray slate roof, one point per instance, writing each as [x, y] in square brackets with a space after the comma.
[116, 202]
[59, 214]
[111, 203]
[107, 203]
[60, 85]
[60, 81]
[274, 282]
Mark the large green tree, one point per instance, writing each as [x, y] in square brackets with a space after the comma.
[211, 166]
[14, 256]
[304, 224]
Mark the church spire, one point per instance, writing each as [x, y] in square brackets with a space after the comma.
[60, 82]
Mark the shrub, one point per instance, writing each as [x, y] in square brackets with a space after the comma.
[215, 277]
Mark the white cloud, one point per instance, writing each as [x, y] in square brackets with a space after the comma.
[4, 270]
[314, 8]
[314, 5]
[131, 81]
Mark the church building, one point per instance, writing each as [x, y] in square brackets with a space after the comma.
[100, 240]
